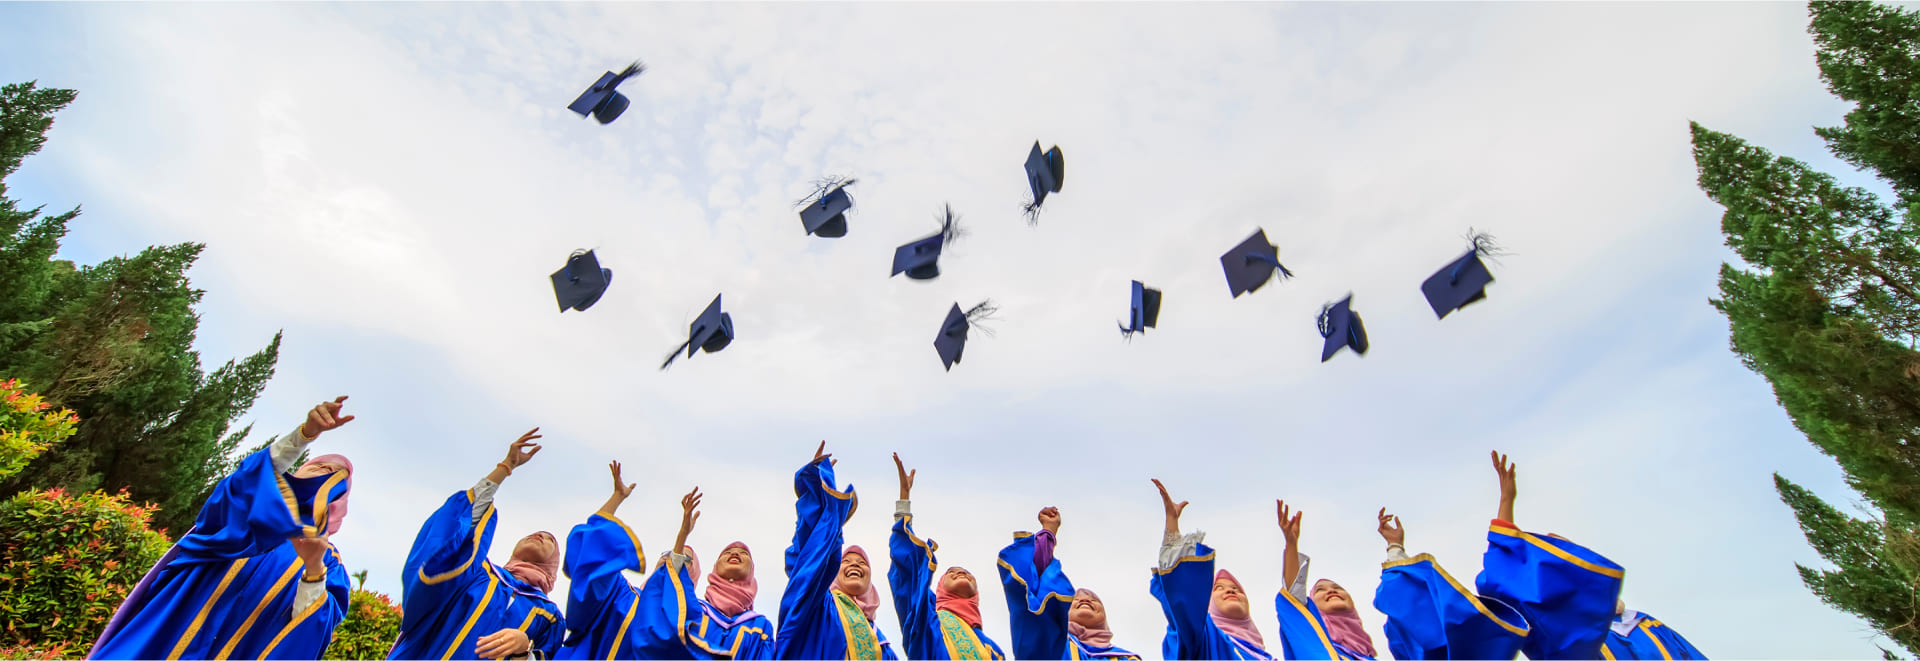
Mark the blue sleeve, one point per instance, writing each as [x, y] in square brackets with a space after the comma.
[1039, 601]
[307, 635]
[248, 514]
[448, 547]
[910, 575]
[1677, 645]
[1184, 592]
[548, 635]
[667, 608]
[1564, 590]
[1303, 632]
[597, 551]
[814, 556]
[1430, 615]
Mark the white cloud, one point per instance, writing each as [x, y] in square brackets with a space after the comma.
[392, 185]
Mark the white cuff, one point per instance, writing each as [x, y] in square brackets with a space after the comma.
[675, 561]
[483, 497]
[308, 594]
[902, 508]
[286, 449]
[1180, 547]
[1299, 587]
[1396, 553]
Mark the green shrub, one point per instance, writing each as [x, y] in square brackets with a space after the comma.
[66, 563]
[27, 428]
[370, 628]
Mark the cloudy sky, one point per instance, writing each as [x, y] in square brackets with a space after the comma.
[392, 184]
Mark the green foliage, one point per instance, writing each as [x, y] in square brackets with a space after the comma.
[114, 343]
[66, 563]
[1831, 308]
[370, 628]
[27, 427]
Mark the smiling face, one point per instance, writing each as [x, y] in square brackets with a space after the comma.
[1088, 611]
[854, 575]
[736, 564]
[1229, 599]
[319, 468]
[1330, 597]
[959, 582]
[538, 548]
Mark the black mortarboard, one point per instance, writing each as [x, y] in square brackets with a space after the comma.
[920, 259]
[1462, 282]
[1146, 310]
[579, 284]
[952, 339]
[602, 100]
[1046, 173]
[710, 332]
[825, 213]
[1250, 264]
[1341, 326]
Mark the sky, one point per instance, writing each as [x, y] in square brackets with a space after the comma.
[390, 185]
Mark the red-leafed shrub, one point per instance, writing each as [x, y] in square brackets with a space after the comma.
[370, 628]
[66, 562]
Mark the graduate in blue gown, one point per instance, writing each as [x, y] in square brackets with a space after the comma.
[938, 624]
[1318, 625]
[456, 603]
[1564, 590]
[675, 623]
[827, 609]
[609, 617]
[1208, 614]
[1637, 635]
[1052, 619]
[730, 622]
[255, 577]
[1430, 615]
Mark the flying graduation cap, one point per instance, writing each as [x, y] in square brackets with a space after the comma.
[710, 332]
[1046, 173]
[920, 260]
[1146, 310]
[952, 339]
[824, 213]
[602, 100]
[579, 284]
[1463, 282]
[1250, 264]
[1341, 326]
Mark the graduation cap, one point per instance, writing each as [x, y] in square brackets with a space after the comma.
[1250, 264]
[710, 332]
[579, 284]
[1046, 173]
[1463, 282]
[1146, 310]
[824, 213]
[1342, 328]
[920, 260]
[953, 332]
[602, 100]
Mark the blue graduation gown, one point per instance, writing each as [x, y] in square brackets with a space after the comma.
[226, 590]
[1184, 592]
[1565, 591]
[748, 635]
[928, 635]
[1303, 632]
[1039, 601]
[816, 621]
[1651, 639]
[1432, 616]
[608, 617]
[452, 595]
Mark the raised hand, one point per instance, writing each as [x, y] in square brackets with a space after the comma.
[689, 515]
[1173, 510]
[1289, 528]
[312, 552]
[502, 644]
[1050, 520]
[621, 489]
[821, 453]
[906, 477]
[522, 450]
[324, 418]
[1394, 534]
[1509, 487]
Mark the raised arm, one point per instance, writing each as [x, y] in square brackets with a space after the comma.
[812, 559]
[597, 551]
[1290, 557]
[1509, 488]
[247, 514]
[455, 539]
[1395, 535]
[1184, 585]
[910, 575]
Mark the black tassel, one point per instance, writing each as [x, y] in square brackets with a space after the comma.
[632, 70]
[982, 312]
[1484, 245]
[1031, 209]
[950, 229]
[1326, 320]
[674, 355]
[821, 187]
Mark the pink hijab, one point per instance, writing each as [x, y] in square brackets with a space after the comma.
[537, 575]
[337, 508]
[869, 603]
[1101, 637]
[966, 608]
[733, 597]
[1241, 628]
[1344, 627]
